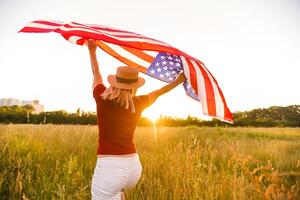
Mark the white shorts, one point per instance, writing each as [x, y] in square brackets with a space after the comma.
[112, 174]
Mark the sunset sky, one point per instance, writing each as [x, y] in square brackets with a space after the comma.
[251, 47]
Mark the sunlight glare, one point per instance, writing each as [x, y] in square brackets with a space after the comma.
[152, 112]
[152, 116]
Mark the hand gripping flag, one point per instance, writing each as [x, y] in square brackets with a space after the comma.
[150, 56]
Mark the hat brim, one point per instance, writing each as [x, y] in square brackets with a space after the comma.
[113, 81]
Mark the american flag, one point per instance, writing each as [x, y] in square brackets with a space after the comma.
[150, 56]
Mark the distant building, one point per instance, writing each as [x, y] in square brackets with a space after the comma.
[38, 108]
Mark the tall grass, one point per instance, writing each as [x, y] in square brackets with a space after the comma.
[57, 162]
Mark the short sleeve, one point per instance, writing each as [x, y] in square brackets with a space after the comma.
[144, 102]
[98, 90]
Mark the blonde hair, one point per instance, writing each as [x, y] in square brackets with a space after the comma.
[121, 96]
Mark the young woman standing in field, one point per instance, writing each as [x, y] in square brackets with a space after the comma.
[118, 111]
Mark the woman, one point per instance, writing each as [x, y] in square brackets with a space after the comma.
[118, 111]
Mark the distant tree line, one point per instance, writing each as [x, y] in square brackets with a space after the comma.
[278, 116]
[24, 114]
[275, 116]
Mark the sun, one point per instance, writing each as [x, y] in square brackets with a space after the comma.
[152, 113]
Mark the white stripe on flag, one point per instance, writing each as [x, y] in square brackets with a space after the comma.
[201, 88]
[114, 37]
[142, 62]
[128, 55]
[151, 53]
[38, 25]
[104, 31]
[74, 39]
[186, 70]
[200, 83]
[218, 100]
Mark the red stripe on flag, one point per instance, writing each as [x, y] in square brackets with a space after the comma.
[118, 34]
[35, 30]
[97, 31]
[79, 41]
[48, 23]
[193, 76]
[104, 28]
[227, 114]
[40, 30]
[111, 32]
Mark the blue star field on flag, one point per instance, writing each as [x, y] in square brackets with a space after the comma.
[166, 67]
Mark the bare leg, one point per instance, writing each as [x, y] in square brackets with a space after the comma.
[122, 196]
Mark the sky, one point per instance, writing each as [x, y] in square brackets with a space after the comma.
[251, 47]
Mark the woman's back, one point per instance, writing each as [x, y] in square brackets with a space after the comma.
[117, 124]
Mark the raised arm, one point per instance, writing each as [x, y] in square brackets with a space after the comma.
[155, 94]
[94, 63]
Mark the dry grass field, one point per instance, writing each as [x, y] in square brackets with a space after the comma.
[57, 162]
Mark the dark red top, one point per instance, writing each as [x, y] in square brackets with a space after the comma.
[117, 124]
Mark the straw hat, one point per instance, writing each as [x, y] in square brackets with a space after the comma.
[126, 78]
